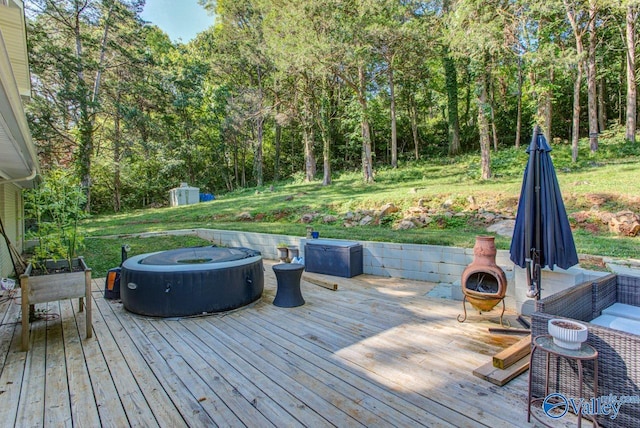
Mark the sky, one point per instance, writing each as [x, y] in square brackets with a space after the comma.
[180, 19]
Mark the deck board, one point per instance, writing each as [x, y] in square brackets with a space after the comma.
[376, 352]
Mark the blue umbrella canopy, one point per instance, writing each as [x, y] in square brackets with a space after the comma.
[542, 234]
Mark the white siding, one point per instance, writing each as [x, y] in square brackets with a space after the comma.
[12, 219]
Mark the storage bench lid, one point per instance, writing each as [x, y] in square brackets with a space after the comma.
[332, 243]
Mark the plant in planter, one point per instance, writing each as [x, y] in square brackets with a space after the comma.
[55, 271]
[283, 251]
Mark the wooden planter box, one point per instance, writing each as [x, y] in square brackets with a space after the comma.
[53, 287]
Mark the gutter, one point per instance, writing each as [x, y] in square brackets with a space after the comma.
[29, 177]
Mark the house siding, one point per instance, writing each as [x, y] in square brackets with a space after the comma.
[12, 220]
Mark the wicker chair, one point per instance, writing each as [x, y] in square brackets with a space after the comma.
[618, 352]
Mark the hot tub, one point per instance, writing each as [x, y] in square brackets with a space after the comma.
[191, 281]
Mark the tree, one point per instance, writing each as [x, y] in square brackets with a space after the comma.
[574, 15]
[631, 18]
[74, 37]
[479, 31]
[451, 78]
[241, 58]
[592, 78]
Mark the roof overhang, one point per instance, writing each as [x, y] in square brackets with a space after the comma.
[18, 157]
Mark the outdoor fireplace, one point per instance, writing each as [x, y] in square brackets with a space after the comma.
[484, 283]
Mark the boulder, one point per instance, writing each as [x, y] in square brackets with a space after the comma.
[625, 223]
[307, 218]
[366, 220]
[244, 216]
[503, 228]
[388, 209]
[329, 218]
[405, 224]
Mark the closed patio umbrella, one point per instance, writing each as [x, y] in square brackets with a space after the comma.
[542, 234]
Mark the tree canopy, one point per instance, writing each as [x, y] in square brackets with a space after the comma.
[279, 89]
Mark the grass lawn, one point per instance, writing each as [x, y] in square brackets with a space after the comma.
[610, 177]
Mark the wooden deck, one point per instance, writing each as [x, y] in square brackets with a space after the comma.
[377, 352]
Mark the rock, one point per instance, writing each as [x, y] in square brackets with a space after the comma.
[425, 219]
[307, 218]
[405, 224]
[447, 204]
[581, 216]
[625, 223]
[329, 218]
[472, 203]
[487, 217]
[388, 209]
[244, 216]
[503, 228]
[366, 220]
[349, 215]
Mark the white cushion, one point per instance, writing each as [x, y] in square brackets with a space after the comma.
[618, 323]
[623, 310]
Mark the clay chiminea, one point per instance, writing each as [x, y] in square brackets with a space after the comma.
[484, 283]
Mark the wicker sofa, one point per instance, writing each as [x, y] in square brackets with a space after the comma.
[618, 352]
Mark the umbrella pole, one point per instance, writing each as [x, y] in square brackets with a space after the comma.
[537, 251]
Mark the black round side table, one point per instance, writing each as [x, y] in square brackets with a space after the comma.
[288, 276]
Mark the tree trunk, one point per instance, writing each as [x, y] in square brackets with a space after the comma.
[575, 132]
[259, 161]
[394, 134]
[413, 117]
[467, 96]
[451, 81]
[631, 17]
[326, 157]
[591, 79]
[483, 125]
[548, 110]
[326, 111]
[309, 156]
[519, 109]
[602, 106]
[367, 158]
[494, 132]
[117, 153]
[258, 151]
[277, 141]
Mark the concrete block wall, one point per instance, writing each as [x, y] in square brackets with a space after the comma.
[431, 263]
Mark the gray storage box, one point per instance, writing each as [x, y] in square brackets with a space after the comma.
[338, 258]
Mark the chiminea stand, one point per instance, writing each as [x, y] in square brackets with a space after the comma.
[490, 304]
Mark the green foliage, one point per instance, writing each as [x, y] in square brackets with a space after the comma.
[55, 207]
